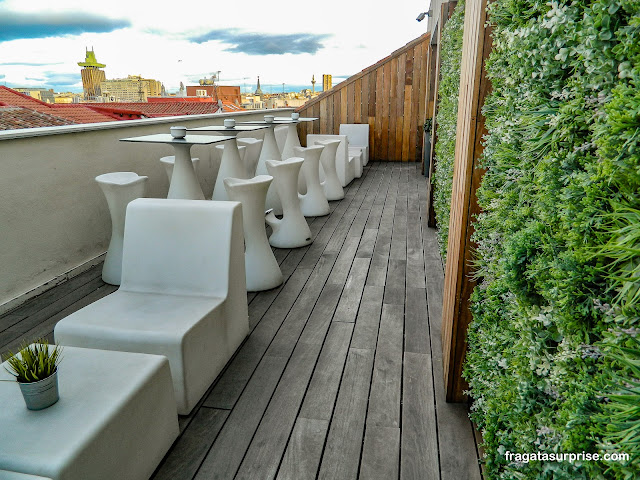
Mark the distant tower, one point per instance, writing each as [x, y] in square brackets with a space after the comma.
[313, 84]
[326, 82]
[91, 75]
[258, 89]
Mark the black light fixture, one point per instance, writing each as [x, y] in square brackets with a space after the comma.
[423, 15]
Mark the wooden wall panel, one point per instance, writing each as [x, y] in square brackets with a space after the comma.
[390, 96]
[357, 102]
[458, 282]
[393, 87]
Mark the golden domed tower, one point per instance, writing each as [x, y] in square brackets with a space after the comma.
[92, 75]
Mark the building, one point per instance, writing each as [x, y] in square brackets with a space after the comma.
[226, 93]
[326, 83]
[134, 88]
[41, 94]
[92, 76]
[258, 91]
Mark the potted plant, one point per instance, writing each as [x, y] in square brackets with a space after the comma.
[35, 367]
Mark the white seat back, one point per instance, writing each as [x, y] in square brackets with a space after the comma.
[358, 133]
[182, 247]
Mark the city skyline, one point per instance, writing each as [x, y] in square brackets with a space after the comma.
[41, 43]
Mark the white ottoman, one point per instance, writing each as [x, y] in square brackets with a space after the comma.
[116, 418]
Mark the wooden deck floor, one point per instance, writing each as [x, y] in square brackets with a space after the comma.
[341, 376]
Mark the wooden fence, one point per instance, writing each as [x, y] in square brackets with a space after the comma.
[390, 96]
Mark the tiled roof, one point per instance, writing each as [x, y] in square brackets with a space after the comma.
[19, 117]
[161, 109]
[74, 113]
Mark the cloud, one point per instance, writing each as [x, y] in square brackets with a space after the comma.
[29, 64]
[64, 79]
[2, 75]
[264, 43]
[16, 25]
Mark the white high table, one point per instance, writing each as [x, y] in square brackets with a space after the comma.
[184, 181]
[231, 165]
[116, 419]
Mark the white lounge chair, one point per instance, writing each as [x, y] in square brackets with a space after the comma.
[183, 292]
[358, 135]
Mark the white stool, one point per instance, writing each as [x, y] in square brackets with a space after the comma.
[313, 203]
[261, 267]
[292, 231]
[116, 419]
[119, 188]
[252, 154]
[332, 188]
[170, 161]
[356, 155]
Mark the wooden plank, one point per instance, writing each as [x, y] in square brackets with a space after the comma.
[270, 440]
[357, 101]
[413, 130]
[342, 449]
[386, 94]
[377, 134]
[352, 293]
[393, 114]
[229, 448]
[419, 446]
[324, 116]
[415, 256]
[349, 104]
[302, 457]
[323, 388]
[293, 324]
[186, 454]
[381, 453]
[395, 282]
[384, 400]
[406, 112]
[367, 243]
[373, 80]
[416, 321]
[340, 271]
[459, 282]
[422, 97]
[399, 107]
[55, 294]
[337, 111]
[418, 118]
[365, 334]
[29, 329]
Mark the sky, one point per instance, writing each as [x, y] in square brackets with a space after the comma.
[285, 41]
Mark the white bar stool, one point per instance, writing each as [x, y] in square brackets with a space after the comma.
[119, 188]
[252, 154]
[313, 203]
[261, 267]
[170, 161]
[292, 231]
[332, 188]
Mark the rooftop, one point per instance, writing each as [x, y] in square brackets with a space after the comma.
[341, 375]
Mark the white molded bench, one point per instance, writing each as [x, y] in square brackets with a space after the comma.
[183, 292]
[116, 418]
